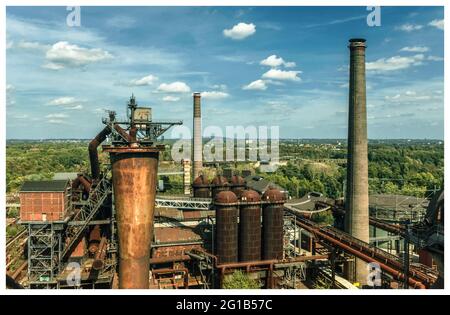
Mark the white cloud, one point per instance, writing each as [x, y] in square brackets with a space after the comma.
[66, 102]
[62, 54]
[58, 122]
[409, 27]
[394, 63]
[56, 116]
[437, 23]
[220, 86]
[174, 87]
[275, 61]
[277, 74]
[170, 98]
[240, 31]
[418, 49]
[214, 95]
[256, 85]
[147, 80]
[435, 58]
[32, 45]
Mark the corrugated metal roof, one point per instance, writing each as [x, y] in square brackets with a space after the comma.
[65, 175]
[260, 184]
[44, 185]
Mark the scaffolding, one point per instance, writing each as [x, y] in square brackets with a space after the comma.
[44, 249]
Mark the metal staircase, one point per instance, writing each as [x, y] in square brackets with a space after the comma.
[97, 197]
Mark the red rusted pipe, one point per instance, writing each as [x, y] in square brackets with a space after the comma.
[94, 239]
[392, 271]
[100, 255]
[93, 154]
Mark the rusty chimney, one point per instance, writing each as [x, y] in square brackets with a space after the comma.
[197, 156]
[357, 192]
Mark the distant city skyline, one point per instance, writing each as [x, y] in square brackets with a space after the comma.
[285, 66]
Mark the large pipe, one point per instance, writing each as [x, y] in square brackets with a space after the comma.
[93, 154]
[357, 192]
[197, 156]
[134, 175]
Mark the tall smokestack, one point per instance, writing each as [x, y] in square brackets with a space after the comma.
[357, 194]
[197, 139]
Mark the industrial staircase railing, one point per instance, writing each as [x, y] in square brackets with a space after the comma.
[97, 196]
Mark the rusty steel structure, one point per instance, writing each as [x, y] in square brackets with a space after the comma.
[197, 154]
[357, 192]
[201, 187]
[273, 210]
[237, 184]
[134, 162]
[250, 226]
[95, 237]
[391, 264]
[218, 184]
[226, 204]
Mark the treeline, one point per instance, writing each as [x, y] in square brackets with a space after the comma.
[413, 170]
[393, 168]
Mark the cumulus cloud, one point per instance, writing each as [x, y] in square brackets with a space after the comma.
[417, 49]
[170, 98]
[437, 23]
[63, 54]
[256, 85]
[409, 27]
[214, 95]
[240, 31]
[174, 87]
[66, 102]
[275, 61]
[277, 74]
[147, 80]
[394, 63]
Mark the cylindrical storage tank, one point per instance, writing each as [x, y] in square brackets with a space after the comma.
[218, 184]
[201, 187]
[273, 224]
[250, 226]
[226, 232]
[134, 175]
[237, 184]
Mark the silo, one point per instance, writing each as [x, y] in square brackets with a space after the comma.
[250, 226]
[237, 184]
[134, 175]
[218, 184]
[273, 201]
[226, 231]
[201, 187]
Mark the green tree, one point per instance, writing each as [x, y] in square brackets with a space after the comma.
[240, 280]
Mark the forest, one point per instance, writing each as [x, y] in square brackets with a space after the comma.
[394, 168]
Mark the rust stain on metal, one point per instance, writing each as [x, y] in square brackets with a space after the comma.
[250, 226]
[226, 204]
[273, 224]
[134, 173]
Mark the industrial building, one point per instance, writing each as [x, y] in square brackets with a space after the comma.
[110, 228]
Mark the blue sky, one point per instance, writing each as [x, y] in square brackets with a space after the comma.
[285, 66]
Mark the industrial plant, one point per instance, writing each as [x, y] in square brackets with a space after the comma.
[112, 228]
